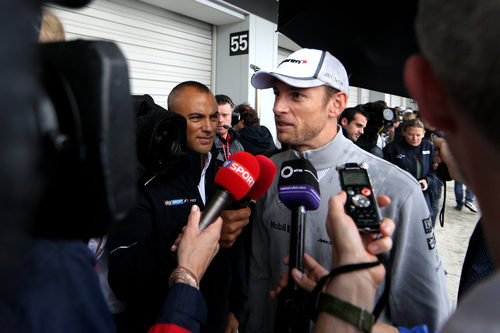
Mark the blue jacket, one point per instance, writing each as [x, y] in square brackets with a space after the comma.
[405, 156]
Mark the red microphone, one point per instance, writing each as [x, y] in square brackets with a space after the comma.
[234, 179]
[266, 177]
[267, 173]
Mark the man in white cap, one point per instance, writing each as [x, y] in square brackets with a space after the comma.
[311, 90]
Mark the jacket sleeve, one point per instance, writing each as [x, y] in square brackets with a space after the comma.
[238, 302]
[433, 182]
[184, 311]
[387, 152]
[418, 293]
[139, 263]
[259, 276]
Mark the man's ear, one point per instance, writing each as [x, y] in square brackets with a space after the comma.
[428, 92]
[343, 122]
[337, 104]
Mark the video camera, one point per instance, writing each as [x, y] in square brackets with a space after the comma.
[161, 137]
[69, 135]
[86, 128]
[380, 119]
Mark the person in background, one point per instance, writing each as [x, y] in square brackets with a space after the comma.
[226, 141]
[353, 122]
[139, 257]
[459, 197]
[255, 138]
[52, 29]
[415, 155]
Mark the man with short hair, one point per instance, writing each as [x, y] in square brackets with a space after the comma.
[226, 142]
[140, 260]
[353, 122]
[311, 88]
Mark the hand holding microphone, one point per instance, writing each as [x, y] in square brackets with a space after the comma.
[234, 179]
[237, 215]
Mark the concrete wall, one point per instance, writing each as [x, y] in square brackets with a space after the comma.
[233, 73]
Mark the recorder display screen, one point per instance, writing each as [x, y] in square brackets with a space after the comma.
[355, 177]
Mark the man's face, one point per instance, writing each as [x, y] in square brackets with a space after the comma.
[225, 116]
[355, 127]
[414, 135]
[301, 116]
[200, 111]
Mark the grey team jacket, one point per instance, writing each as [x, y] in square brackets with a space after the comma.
[418, 293]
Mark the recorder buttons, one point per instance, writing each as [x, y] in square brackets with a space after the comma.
[360, 200]
[366, 192]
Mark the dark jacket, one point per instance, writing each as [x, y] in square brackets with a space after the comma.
[140, 260]
[219, 149]
[405, 156]
[256, 139]
[56, 289]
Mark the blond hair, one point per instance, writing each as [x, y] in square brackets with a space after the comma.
[52, 29]
[408, 116]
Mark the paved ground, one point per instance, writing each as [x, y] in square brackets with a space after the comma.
[453, 239]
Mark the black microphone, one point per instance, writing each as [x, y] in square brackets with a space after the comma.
[225, 126]
[298, 189]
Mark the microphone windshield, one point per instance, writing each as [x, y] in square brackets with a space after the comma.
[298, 185]
[238, 174]
[267, 173]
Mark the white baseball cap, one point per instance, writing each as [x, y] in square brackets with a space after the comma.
[306, 68]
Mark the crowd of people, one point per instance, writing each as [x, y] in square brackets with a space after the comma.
[157, 272]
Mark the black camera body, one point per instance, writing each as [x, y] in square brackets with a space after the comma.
[161, 137]
[380, 119]
[87, 128]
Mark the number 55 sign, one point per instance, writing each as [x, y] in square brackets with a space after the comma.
[238, 43]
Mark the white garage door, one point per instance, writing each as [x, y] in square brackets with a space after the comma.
[162, 48]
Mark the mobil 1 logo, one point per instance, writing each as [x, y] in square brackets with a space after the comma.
[238, 43]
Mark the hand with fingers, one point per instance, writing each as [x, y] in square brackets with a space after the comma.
[356, 287]
[195, 248]
[233, 223]
[374, 246]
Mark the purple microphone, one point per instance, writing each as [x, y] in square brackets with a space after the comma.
[298, 185]
[298, 189]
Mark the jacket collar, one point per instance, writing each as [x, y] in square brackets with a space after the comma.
[322, 157]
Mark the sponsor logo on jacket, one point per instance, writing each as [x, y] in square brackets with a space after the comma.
[324, 241]
[177, 202]
[431, 242]
[281, 226]
[427, 225]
